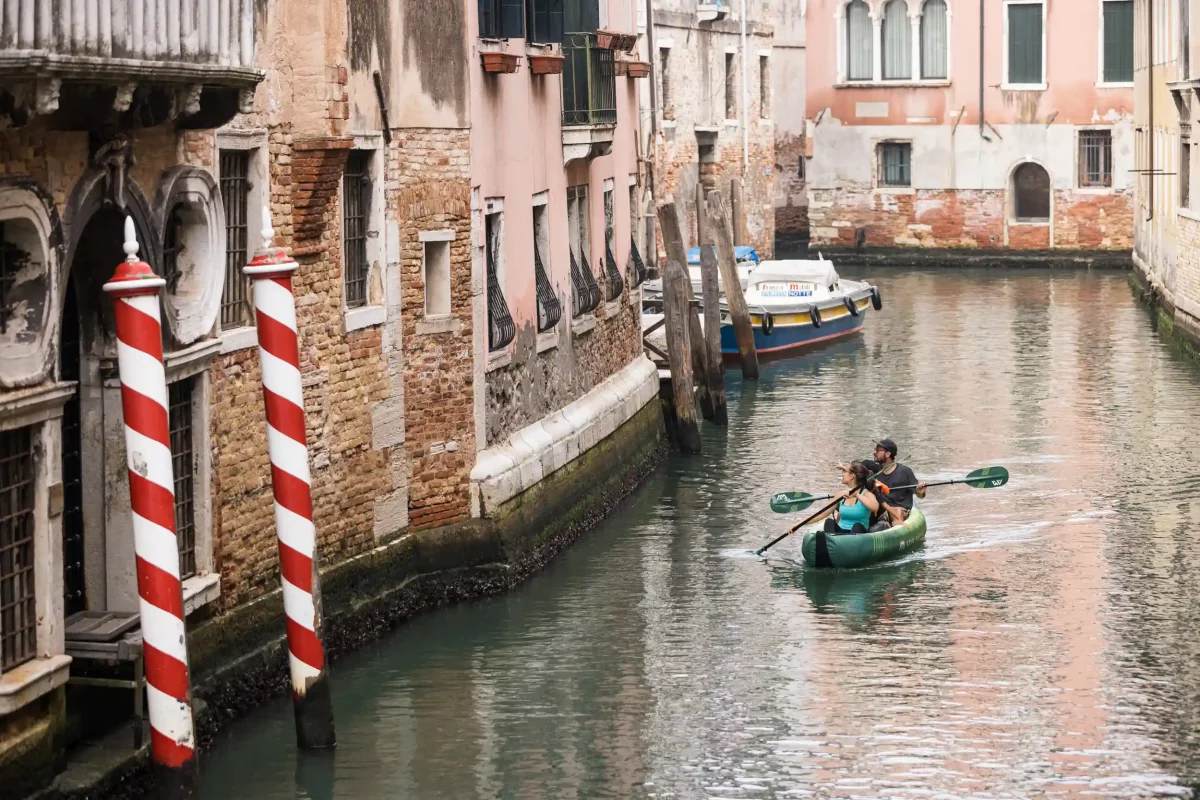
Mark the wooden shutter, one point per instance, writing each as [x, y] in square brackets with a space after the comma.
[1118, 41]
[1025, 44]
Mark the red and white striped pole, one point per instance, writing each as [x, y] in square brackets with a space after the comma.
[134, 289]
[279, 353]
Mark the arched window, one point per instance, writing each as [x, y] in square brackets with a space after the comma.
[1031, 192]
[934, 29]
[860, 65]
[897, 42]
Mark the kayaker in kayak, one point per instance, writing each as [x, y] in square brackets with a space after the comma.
[854, 513]
[895, 500]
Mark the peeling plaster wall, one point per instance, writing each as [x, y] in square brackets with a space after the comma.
[788, 112]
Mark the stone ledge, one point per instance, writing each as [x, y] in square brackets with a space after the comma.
[954, 258]
[21, 686]
[199, 591]
[529, 455]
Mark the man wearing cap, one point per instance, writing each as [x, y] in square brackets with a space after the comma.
[897, 501]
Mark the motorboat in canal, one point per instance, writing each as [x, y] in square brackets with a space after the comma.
[797, 303]
[848, 550]
[746, 257]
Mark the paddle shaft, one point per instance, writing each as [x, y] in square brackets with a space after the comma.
[801, 524]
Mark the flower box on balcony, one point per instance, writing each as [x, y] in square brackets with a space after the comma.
[628, 42]
[498, 61]
[614, 40]
[638, 69]
[620, 67]
[546, 63]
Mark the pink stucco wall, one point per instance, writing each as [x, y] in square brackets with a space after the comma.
[517, 152]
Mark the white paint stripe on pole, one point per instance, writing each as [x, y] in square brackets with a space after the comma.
[288, 454]
[298, 604]
[164, 631]
[276, 302]
[300, 672]
[142, 373]
[156, 544]
[172, 718]
[295, 531]
[150, 459]
[281, 378]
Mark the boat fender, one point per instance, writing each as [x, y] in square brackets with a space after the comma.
[876, 300]
[852, 307]
[768, 323]
[814, 314]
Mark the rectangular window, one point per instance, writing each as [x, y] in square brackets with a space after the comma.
[18, 602]
[1185, 174]
[437, 278]
[730, 87]
[895, 167]
[544, 21]
[1118, 41]
[501, 19]
[664, 59]
[183, 464]
[1025, 44]
[802, 169]
[235, 189]
[501, 329]
[1095, 158]
[616, 284]
[548, 307]
[764, 87]
[356, 214]
[585, 292]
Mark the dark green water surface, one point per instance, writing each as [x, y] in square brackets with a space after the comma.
[1044, 643]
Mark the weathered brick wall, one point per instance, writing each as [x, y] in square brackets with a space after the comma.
[966, 218]
[429, 189]
[1187, 267]
[791, 204]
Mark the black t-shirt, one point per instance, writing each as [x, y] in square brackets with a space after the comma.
[901, 498]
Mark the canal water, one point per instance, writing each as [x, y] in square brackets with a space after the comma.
[1044, 643]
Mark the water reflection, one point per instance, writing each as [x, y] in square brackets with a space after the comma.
[1041, 644]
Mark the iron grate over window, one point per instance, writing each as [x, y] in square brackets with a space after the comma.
[586, 292]
[18, 601]
[639, 266]
[356, 215]
[235, 193]
[501, 328]
[1095, 158]
[172, 247]
[895, 165]
[616, 284]
[549, 308]
[183, 463]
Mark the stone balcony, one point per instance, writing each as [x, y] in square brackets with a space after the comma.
[89, 64]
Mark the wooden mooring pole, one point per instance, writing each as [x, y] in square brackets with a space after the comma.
[668, 222]
[712, 333]
[722, 233]
[679, 357]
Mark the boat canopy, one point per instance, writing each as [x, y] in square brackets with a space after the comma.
[820, 272]
[741, 254]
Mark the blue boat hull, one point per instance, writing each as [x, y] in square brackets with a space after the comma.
[796, 331]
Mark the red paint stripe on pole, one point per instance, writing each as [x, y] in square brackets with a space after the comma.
[278, 339]
[305, 645]
[160, 589]
[138, 331]
[285, 417]
[144, 415]
[167, 751]
[292, 493]
[170, 674]
[151, 501]
[296, 568]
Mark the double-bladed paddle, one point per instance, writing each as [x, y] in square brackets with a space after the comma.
[986, 478]
[804, 522]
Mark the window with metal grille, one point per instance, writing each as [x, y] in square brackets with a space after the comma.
[1185, 174]
[235, 190]
[896, 42]
[548, 306]
[356, 218]
[730, 87]
[1118, 41]
[1025, 44]
[585, 292]
[895, 164]
[1095, 158]
[501, 19]
[183, 464]
[172, 247]
[934, 29]
[860, 34]
[18, 600]
[544, 21]
[501, 328]
[1031, 190]
[616, 284]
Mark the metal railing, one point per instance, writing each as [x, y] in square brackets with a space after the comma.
[616, 284]
[501, 328]
[586, 293]
[589, 82]
[548, 307]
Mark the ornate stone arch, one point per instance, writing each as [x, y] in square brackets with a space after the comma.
[189, 199]
[30, 268]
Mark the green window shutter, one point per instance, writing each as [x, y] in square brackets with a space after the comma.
[1118, 41]
[1025, 44]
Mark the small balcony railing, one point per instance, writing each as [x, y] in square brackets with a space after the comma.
[589, 82]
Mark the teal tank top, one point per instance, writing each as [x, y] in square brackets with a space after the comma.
[849, 515]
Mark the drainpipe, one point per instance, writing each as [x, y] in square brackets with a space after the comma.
[1150, 109]
[652, 148]
[745, 98]
[981, 41]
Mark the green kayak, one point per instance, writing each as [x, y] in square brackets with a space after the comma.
[860, 549]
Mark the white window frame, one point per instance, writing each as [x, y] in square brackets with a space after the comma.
[370, 314]
[256, 143]
[1100, 82]
[1025, 87]
[547, 340]
[919, 49]
[841, 23]
[1094, 190]
[443, 237]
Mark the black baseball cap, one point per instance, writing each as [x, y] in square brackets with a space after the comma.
[889, 445]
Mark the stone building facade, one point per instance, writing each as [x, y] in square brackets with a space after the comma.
[715, 113]
[350, 122]
[922, 140]
[788, 113]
